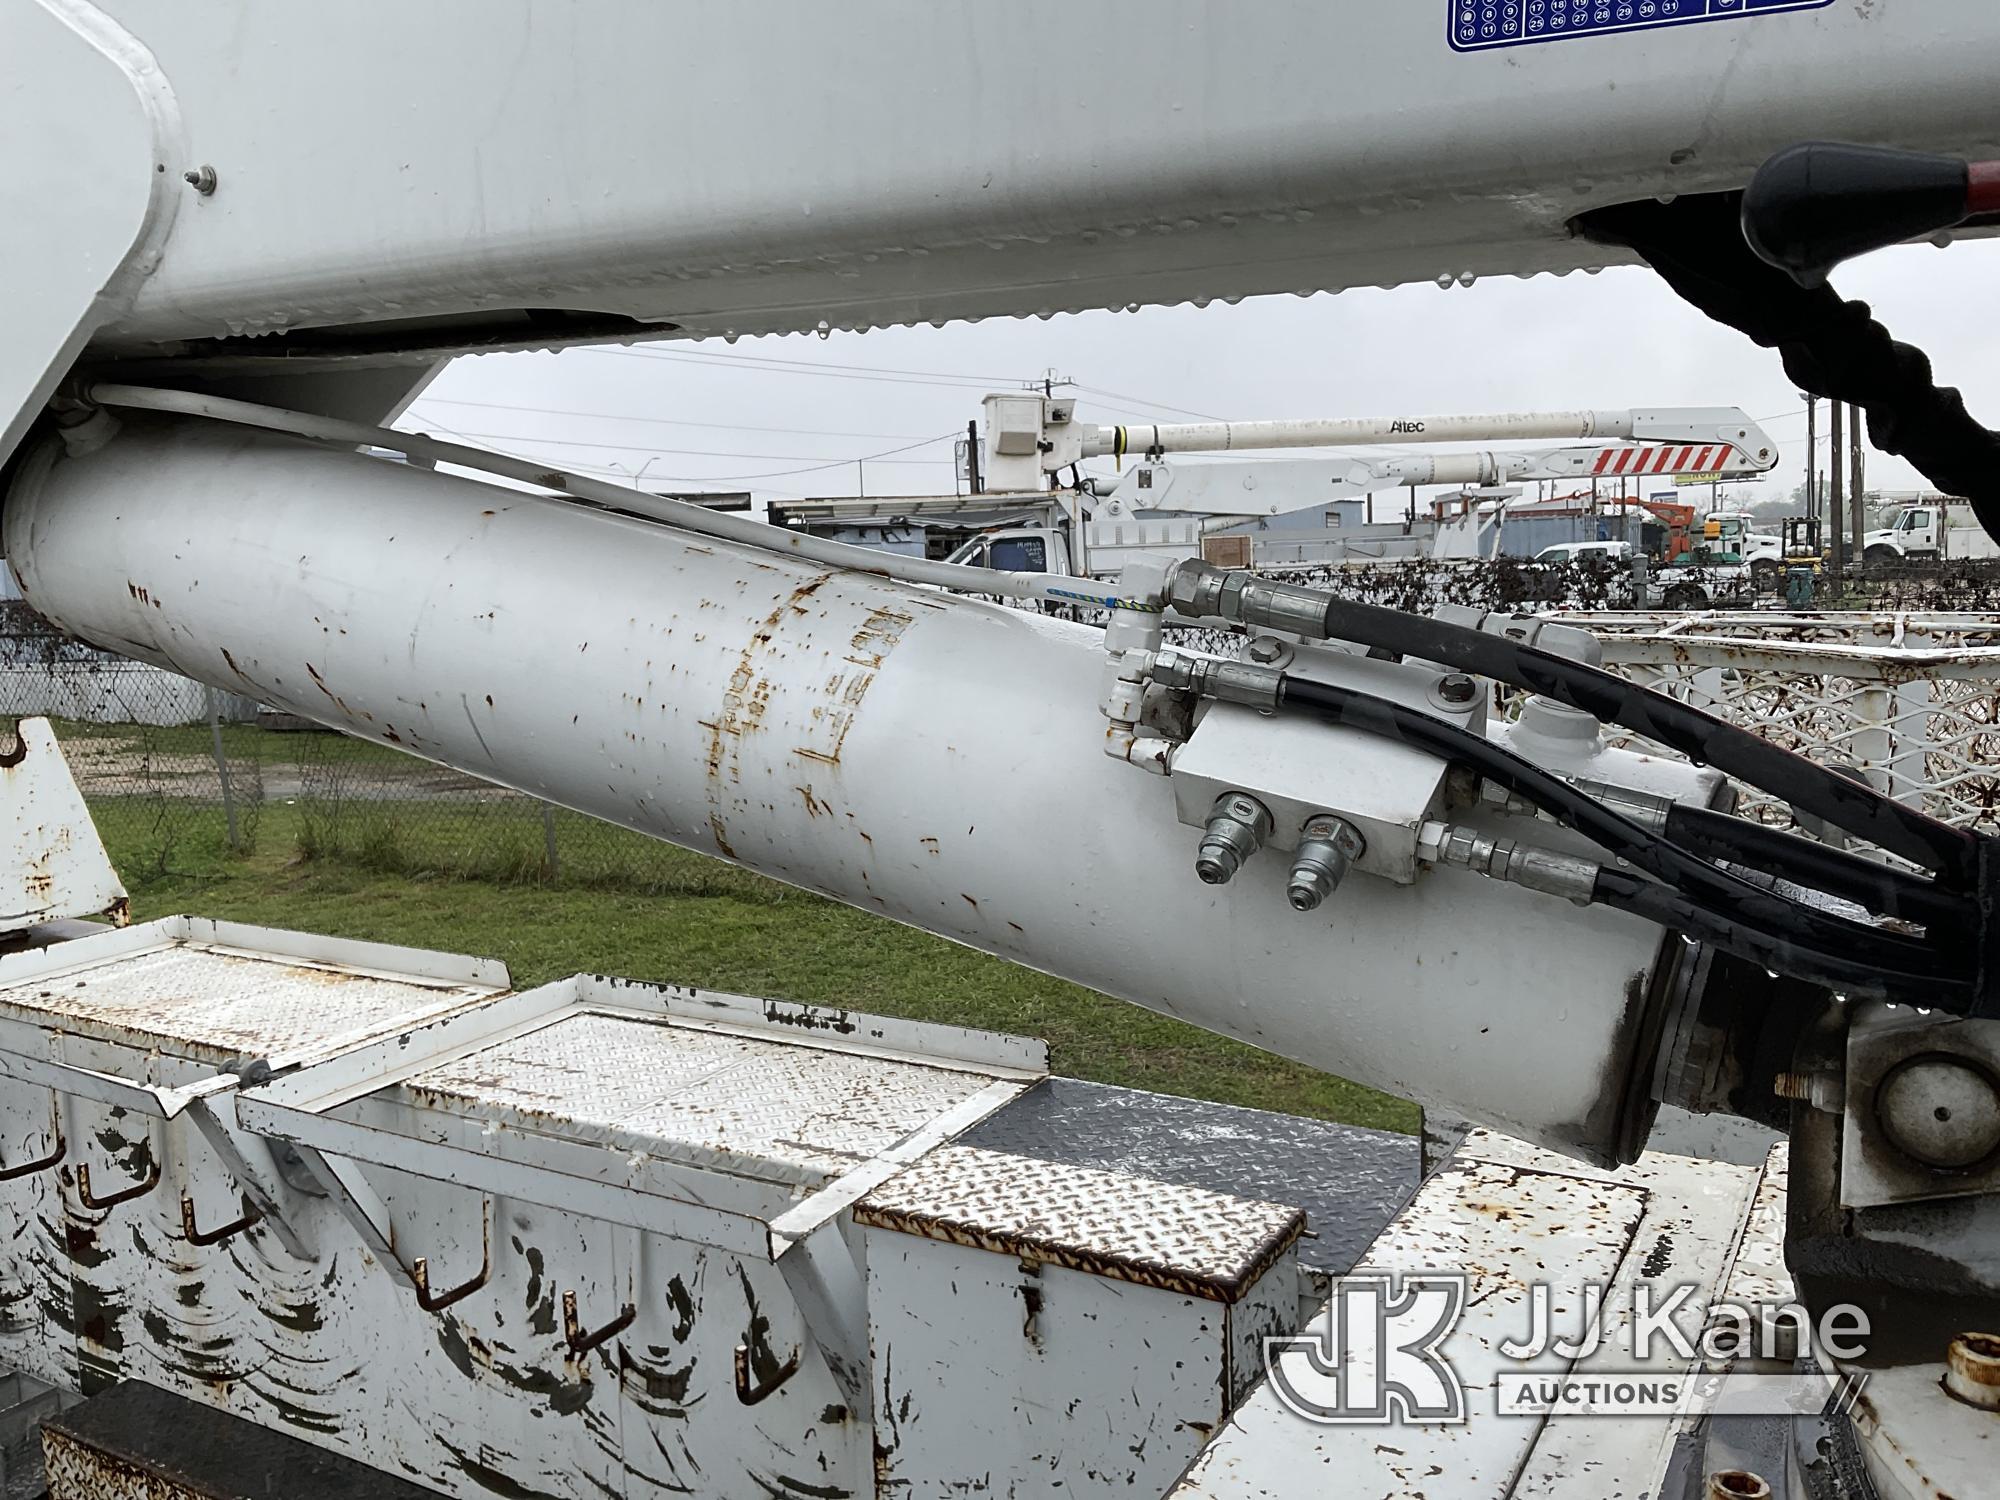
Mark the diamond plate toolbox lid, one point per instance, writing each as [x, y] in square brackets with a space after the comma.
[231, 995]
[1158, 1234]
[739, 1123]
[794, 1107]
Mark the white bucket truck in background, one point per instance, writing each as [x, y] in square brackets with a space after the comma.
[1931, 527]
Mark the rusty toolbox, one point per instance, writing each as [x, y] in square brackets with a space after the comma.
[592, 1238]
[599, 1237]
[1077, 1297]
[120, 1167]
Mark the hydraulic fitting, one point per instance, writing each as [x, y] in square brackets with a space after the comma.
[1456, 691]
[83, 425]
[1202, 591]
[1269, 651]
[1328, 847]
[1244, 682]
[1238, 824]
[1549, 871]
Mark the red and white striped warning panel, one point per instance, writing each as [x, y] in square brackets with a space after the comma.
[1670, 459]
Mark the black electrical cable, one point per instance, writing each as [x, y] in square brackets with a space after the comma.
[1701, 737]
[1891, 893]
[1732, 913]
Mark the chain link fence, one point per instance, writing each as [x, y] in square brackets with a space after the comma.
[177, 774]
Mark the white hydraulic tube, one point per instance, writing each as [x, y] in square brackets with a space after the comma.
[932, 758]
[662, 508]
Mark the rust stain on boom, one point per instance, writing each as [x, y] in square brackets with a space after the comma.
[747, 704]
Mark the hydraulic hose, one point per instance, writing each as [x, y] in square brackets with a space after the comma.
[1708, 903]
[1701, 737]
[1624, 891]
[1892, 893]
[1830, 346]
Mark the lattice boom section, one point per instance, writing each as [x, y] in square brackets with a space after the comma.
[1912, 704]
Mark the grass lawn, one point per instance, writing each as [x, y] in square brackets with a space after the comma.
[709, 924]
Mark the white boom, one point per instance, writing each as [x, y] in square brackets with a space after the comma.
[1031, 437]
[465, 175]
[295, 261]
[1721, 424]
[1242, 489]
[1030, 440]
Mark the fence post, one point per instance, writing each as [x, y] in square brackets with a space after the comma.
[549, 839]
[221, 760]
[1909, 772]
[1874, 738]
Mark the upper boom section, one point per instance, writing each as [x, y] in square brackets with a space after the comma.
[713, 167]
[1685, 425]
[1032, 437]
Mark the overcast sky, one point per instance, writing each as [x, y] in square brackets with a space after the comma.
[788, 416]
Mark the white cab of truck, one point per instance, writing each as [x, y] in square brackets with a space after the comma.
[1733, 531]
[1940, 528]
[1018, 549]
[1107, 546]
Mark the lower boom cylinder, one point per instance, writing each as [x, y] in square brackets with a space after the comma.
[930, 758]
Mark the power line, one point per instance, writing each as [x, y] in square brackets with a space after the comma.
[887, 455]
[550, 442]
[774, 367]
[1152, 405]
[605, 416]
[891, 375]
[1130, 413]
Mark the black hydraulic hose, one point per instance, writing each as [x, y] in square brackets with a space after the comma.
[1830, 347]
[1806, 862]
[1624, 891]
[1701, 737]
[1900, 966]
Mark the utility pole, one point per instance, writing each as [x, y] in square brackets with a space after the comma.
[975, 484]
[1812, 457]
[1836, 512]
[1857, 508]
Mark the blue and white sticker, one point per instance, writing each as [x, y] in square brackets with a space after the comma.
[1477, 25]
